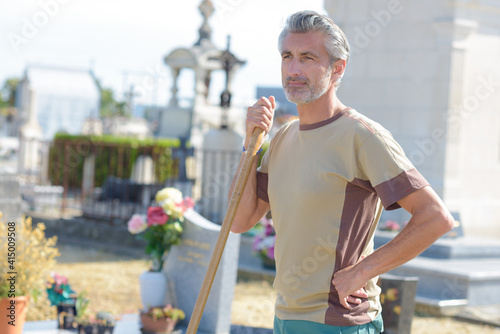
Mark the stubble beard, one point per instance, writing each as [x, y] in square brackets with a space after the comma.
[302, 95]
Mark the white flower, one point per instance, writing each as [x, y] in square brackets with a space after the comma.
[168, 193]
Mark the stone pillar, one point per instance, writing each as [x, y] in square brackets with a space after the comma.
[30, 141]
[88, 175]
[10, 198]
[175, 76]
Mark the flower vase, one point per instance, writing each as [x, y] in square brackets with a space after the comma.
[153, 287]
[66, 314]
[163, 325]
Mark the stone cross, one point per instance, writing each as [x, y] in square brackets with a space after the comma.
[206, 8]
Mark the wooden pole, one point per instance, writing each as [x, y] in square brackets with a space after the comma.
[224, 231]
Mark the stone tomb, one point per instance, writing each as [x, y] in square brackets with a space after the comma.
[186, 267]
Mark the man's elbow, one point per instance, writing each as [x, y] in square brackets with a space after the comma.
[445, 221]
[235, 228]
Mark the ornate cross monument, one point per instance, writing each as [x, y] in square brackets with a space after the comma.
[193, 120]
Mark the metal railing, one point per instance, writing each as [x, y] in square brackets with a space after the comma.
[209, 172]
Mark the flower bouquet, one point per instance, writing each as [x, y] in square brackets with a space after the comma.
[161, 319]
[61, 295]
[263, 243]
[162, 226]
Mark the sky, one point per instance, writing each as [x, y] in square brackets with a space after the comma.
[125, 41]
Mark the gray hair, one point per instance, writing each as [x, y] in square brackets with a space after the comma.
[309, 21]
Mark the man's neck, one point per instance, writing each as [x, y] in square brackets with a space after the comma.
[322, 109]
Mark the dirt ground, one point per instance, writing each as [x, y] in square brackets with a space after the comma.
[112, 284]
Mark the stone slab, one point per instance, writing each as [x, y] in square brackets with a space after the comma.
[128, 324]
[489, 315]
[474, 280]
[452, 248]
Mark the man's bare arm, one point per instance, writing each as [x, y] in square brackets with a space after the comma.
[430, 220]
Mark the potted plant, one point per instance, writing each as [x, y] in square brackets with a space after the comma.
[162, 319]
[28, 256]
[87, 322]
[61, 295]
[264, 242]
[161, 228]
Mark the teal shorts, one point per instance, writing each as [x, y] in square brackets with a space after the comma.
[307, 327]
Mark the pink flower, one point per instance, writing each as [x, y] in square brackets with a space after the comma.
[256, 243]
[391, 225]
[136, 224]
[188, 203]
[156, 216]
[270, 253]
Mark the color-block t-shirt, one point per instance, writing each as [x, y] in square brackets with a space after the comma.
[323, 182]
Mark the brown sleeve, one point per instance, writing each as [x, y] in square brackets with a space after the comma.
[400, 186]
[262, 181]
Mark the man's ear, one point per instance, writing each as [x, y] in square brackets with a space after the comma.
[339, 67]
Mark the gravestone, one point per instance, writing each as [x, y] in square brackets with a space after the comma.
[221, 156]
[186, 267]
[398, 302]
[10, 198]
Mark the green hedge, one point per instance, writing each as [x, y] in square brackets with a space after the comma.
[114, 156]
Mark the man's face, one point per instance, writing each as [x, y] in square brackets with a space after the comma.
[306, 71]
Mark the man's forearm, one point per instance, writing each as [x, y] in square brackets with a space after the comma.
[249, 212]
[430, 220]
[421, 231]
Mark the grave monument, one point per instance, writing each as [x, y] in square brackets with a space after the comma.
[212, 130]
[428, 72]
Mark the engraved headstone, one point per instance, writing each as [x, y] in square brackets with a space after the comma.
[186, 267]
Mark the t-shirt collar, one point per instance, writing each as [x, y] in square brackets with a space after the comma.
[306, 127]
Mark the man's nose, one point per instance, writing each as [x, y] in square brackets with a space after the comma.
[294, 68]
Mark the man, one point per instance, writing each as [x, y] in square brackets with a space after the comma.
[321, 178]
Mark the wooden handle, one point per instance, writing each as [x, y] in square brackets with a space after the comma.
[224, 231]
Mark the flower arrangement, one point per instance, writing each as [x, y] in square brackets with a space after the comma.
[59, 291]
[162, 226]
[161, 319]
[167, 311]
[263, 243]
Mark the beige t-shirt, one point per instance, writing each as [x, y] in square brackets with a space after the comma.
[323, 182]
